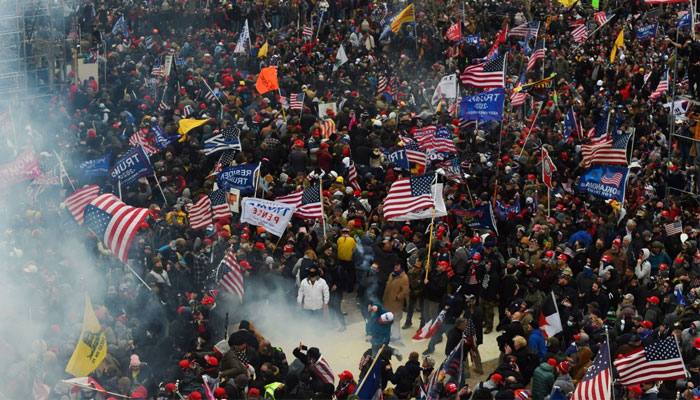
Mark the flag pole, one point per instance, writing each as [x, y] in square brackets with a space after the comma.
[323, 214]
[376, 357]
[63, 170]
[591, 35]
[430, 242]
[530, 131]
[88, 387]
[212, 92]
[255, 194]
[320, 20]
[119, 186]
[612, 382]
[137, 275]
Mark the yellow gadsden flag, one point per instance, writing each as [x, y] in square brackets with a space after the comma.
[186, 125]
[619, 42]
[263, 51]
[92, 345]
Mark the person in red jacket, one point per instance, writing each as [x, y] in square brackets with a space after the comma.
[346, 386]
[324, 158]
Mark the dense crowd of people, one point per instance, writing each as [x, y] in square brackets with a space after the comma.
[617, 272]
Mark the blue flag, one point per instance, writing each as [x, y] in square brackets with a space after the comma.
[372, 387]
[680, 299]
[473, 39]
[604, 181]
[120, 24]
[481, 217]
[502, 210]
[240, 177]
[131, 166]
[399, 158]
[647, 31]
[163, 140]
[684, 22]
[570, 124]
[486, 105]
[557, 395]
[96, 167]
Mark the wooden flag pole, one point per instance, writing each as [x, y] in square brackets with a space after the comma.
[430, 244]
[376, 357]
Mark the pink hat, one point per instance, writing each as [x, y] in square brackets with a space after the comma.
[135, 361]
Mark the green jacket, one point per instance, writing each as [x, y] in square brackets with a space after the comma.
[542, 381]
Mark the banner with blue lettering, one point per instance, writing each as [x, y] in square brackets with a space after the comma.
[271, 215]
[486, 105]
[399, 158]
[130, 167]
[480, 218]
[503, 210]
[163, 140]
[604, 181]
[240, 177]
[473, 39]
[647, 31]
[96, 167]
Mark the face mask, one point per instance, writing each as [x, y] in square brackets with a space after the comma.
[372, 236]
[313, 273]
[387, 237]
[208, 250]
[569, 323]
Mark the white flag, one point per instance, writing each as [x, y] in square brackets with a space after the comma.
[446, 89]
[245, 36]
[271, 215]
[340, 58]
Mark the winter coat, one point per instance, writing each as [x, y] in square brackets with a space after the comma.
[395, 292]
[536, 342]
[564, 383]
[542, 381]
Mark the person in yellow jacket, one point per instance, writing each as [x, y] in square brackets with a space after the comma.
[346, 246]
[271, 388]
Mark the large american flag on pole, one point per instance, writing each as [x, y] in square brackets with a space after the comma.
[661, 87]
[658, 361]
[219, 206]
[611, 150]
[229, 276]
[489, 74]
[580, 33]
[408, 195]
[307, 202]
[527, 29]
[76, 202]
[602, 17]
[200, 213]
[443, 140]
[595, 384]
[296, 101]
[413, 153]
[114, 222]
[352, 177]
[425, 137]
[537, 55]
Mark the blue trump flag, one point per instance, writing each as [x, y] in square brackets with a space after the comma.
[96, 167]
[372, 386]
[486, 105]
[120, 24]
[240, 177]
[473, 39]
[131, 166]
[163, 140]
[399, 158]
[481, 217]
[604, 181]
[647, 31]
[502, 210]
[684, 21]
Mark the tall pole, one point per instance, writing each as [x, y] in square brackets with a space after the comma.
[430, 244]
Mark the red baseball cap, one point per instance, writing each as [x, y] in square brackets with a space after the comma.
[653, 300]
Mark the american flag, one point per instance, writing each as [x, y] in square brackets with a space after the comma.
[599, 130]
[114, 222]
[537, 55]
[489, 74]
[200, 213]
[611, 150]
[518, 98]
[163, 106]
[662, 87]
[219, 206]
[673, 228]
[51, 171]
[352, 176]
[595, 384]
[409, 194]
[187, 111]
[602, 17]
[394, 87]
[307, 32]
[229, 276]
[139, 139]
[307, 202]
[76, 202]
[296, 101]
[425, 137]
[328, 128]
[443, 140]
[208, 94]
[466, 124]
[413, 153]
[580, 33]
[452, 168]
[429, 329]
[615, 179]
[526, 29]
[451, 369]
[158, 69]
[658, 361]
[323, 370]
[381, 84]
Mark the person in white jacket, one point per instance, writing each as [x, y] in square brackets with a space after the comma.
[313, 293]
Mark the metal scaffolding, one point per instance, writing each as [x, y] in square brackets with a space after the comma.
[33, 45]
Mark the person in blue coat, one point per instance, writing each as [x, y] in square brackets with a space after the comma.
[536, 340]
[379, 326]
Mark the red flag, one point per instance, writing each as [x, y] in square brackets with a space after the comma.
[429, 329]
[502, 36]
[454, 33]
[548, 168]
